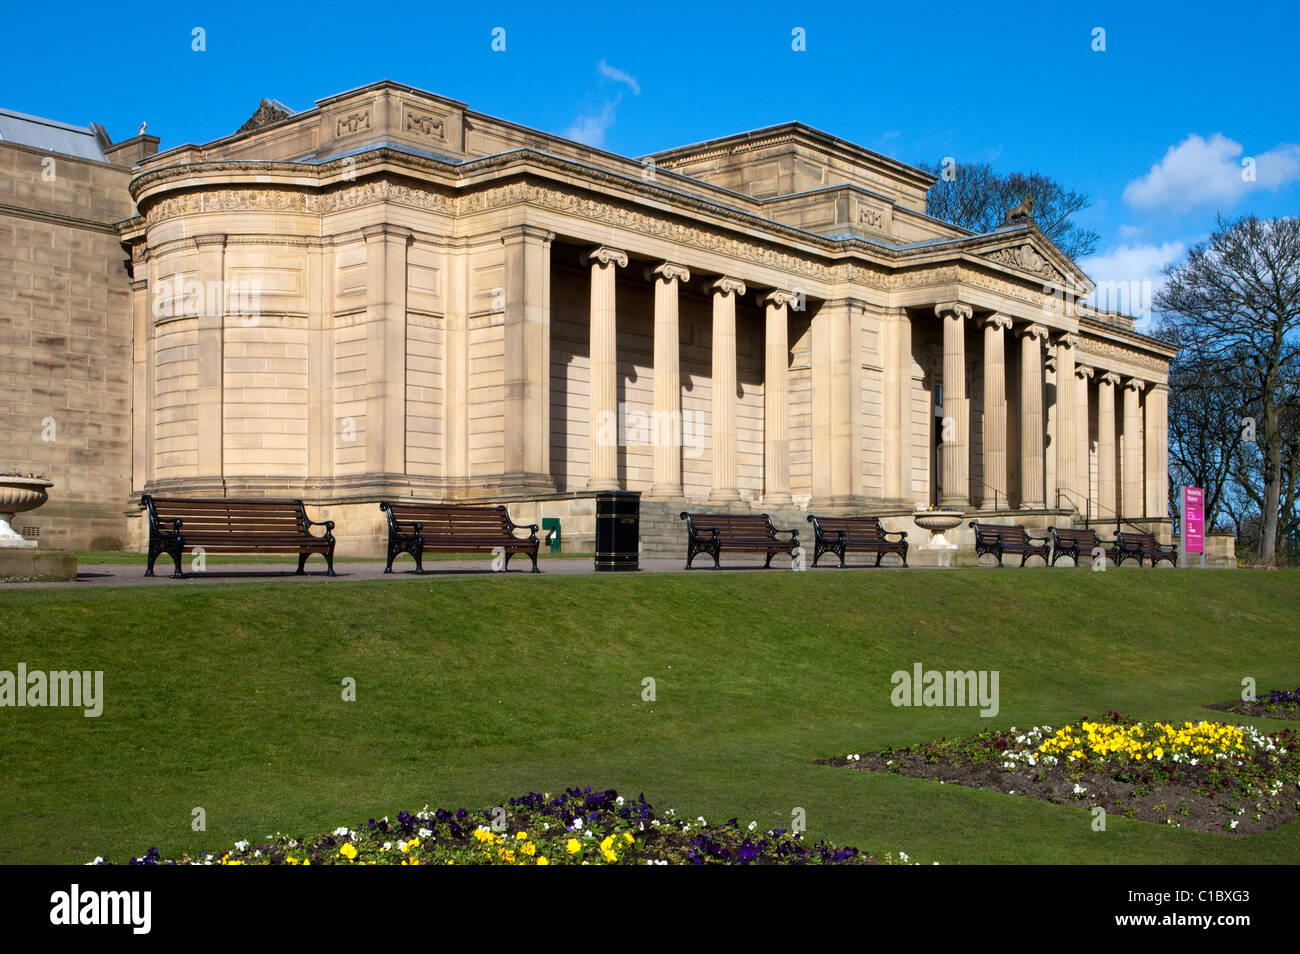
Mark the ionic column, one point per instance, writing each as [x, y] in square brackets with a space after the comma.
[1106, 503]
[667, 430]
[1156, 429]
[995, 411]
[776, 401]
[956, 406]
[1083, 443]
[604, 368]
[1031, 416]
[1065, 440]
[1134, 504]
[725, 477]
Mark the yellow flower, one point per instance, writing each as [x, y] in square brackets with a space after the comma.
[348, 851]
[573, 847]
[529, 849]
[541, 860]
[629, 837]
[521, 836]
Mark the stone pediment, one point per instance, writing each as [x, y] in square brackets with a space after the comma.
[268, 112]
[1027, 259]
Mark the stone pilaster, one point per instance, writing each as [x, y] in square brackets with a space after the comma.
[1031, 416]
[386, 348]
[956, 405]
[667, 426]
[208, 398]
[527, 458]
[1156, 429]
[1107, 505]
[776, 401]
[1134, 501]
[896, 405]
[455, 379]
[725, 474]
[836, 417]
[995, 411]
[604, 262]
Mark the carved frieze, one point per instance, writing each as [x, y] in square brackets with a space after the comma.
[1099, 349]
[1026, 259]
[352, 123]
[426, 125]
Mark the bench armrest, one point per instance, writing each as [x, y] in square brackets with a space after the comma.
[327, 524]
[901, 534]
[794, 534]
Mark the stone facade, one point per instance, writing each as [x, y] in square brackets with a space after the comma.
[391, 295]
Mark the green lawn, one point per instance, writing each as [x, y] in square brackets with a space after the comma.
[228, 697]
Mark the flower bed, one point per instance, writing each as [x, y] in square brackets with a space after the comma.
[1206, 776]
[580, 826]
[1278, 704]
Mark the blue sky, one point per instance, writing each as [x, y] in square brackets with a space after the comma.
[1153, 128]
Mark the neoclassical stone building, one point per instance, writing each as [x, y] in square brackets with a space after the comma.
[393, 295]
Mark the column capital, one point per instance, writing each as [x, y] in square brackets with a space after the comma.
[1032, 331]
[727, 286]
[1083, 371]
[953, 309]
[520, 232]
[605, 255]
[1049, 362]
[995, 320]
[667, 272]
[1135, 384]
[782, 299]
[1111, 378]
[1066, 339]
[386, 230]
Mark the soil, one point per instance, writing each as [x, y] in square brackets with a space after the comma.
[1258, 710]
[1175, 803]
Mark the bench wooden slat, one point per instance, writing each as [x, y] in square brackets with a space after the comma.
[999, 539]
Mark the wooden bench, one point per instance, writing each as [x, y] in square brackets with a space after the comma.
[841, 535]
[417, 528]
[1144, 546]
[1076, 542]
[226, 525]
[712, 533]
[999, 539]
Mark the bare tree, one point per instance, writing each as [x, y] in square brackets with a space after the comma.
[1237, 296]
[973, 196]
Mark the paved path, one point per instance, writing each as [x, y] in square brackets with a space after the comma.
[91, 576]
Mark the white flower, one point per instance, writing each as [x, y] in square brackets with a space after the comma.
[425, 832]
[99, 860]
[339, 832]
[1079, 789]
[701, 820]
[619, 800]
[241, 845]
[1232, 824]
[902, 856]
[387, 845]
[753, 825]
[577, 823]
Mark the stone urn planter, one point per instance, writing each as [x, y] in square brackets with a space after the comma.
[18, 495]
[937, 522]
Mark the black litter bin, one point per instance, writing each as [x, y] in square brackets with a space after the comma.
[618, 530]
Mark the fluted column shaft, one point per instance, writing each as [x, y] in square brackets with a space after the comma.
[725, 475]
[1031, 416]
[776, 401]
[604, 262]
[995, 411]
[1087, 502]
[956, 406]
[1107, 506]
[1157, 458]
[667, 430]
[1066, 443]
[1134, 502]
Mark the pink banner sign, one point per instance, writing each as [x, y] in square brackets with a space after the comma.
[1193, 520]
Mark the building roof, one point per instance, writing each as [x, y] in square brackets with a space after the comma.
[52, 136]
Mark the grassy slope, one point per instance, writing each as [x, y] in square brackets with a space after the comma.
[469, 691]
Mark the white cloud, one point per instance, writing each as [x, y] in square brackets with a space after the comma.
[618, 76]
[1130, 231]
[590, 129]
[1201, 171]
[1128, 277]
